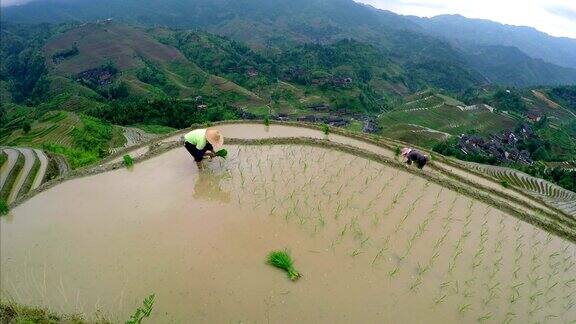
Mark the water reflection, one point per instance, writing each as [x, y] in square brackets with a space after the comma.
[208, 186]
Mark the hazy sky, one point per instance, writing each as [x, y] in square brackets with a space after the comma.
[555, 17]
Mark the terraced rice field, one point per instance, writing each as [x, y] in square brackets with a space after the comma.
[19, 178]
[557, 196]
[133, 136]
[55, 127]
[375, 242]
[445, 118]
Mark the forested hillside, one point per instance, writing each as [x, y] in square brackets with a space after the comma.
[281, 24]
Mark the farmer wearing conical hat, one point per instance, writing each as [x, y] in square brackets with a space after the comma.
[202, 143]
[414, 156]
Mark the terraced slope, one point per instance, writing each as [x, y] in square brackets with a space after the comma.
[437, 116]
[24, 170]
[29, 159]
[55, 127]
[133, 136]
[557, 196]
[43, 159]
[12, 156]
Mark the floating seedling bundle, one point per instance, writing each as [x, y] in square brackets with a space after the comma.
[282, 260]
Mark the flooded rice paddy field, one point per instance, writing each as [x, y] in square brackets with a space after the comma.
[374, 244]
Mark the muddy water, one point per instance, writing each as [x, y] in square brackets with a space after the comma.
[374, 245]
[255, 131]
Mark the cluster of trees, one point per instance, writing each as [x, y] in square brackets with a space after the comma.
[566, 95]
[165, 111]
[22, 64]
[66, 53]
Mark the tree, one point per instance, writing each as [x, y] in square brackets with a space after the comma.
[26, 127]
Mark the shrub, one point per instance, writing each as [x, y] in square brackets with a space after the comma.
[26, 127]
[282, 260]
[128, 161]
[3, 208]
[325, 129]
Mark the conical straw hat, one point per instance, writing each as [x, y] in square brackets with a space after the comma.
[405, 151]
[215, 138]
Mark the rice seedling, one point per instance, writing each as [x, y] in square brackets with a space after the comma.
[485, 317]
[282, 260]
[3, 207]
[393, 272]
[440, 299]
[267, 120]
[463, 308]
[128, 161]
[142, 312]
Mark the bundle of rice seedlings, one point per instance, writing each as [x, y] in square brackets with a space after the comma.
[282, 260]
[222, 153]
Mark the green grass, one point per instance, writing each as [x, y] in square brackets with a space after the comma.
[155, 129]
[282, 260]
[3, 207]
[20, 314]
[76, 157]
[355, 126]
[128, 161]
[3, 158]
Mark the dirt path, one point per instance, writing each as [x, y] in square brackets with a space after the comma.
[7, 167]
[29, 158]
[42, 171]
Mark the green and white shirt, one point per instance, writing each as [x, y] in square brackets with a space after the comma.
[197, 138]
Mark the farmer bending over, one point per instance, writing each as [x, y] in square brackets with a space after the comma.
[202, 143]
[414, 156]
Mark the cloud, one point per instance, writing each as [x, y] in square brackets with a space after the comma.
[565, 12]
[555, 17]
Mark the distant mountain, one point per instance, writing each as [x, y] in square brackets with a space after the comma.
[556, 50]
[434, 59]
[508, 65]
